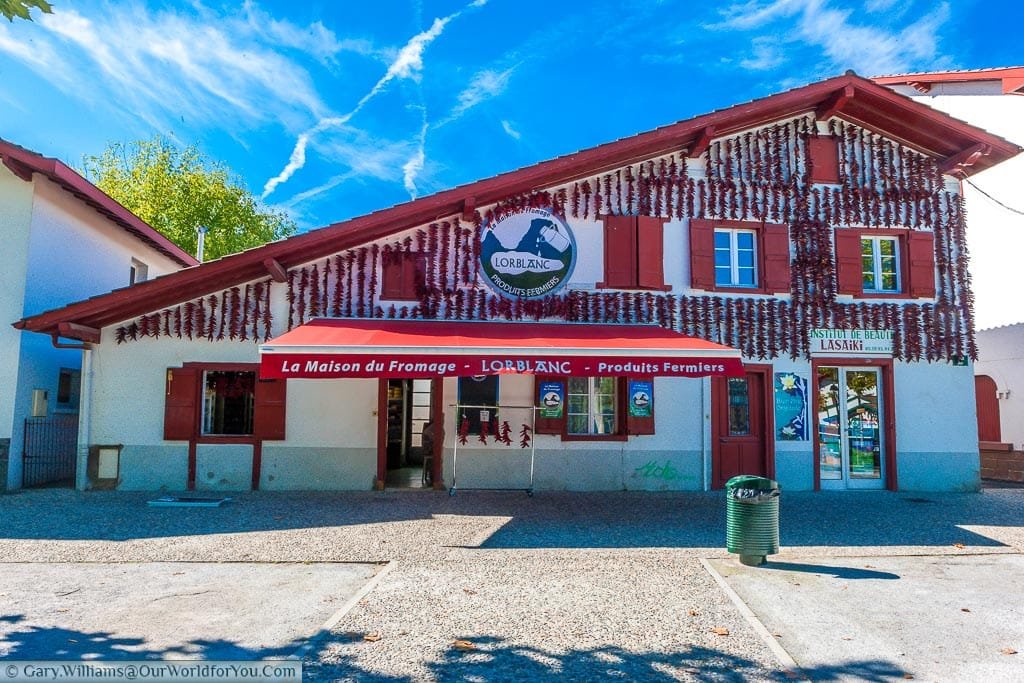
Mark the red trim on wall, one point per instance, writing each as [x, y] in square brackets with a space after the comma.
[437, 412]
[382, 435]
[889, 410]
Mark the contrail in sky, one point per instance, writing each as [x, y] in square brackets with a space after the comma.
[408, 64]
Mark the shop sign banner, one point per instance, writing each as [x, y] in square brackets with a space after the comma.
[825, 342]
[641, 398]
[551, 399]
[790, 407]
[425, 366]
[527, 254]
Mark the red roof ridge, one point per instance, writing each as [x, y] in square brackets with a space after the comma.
[1011, 78]
[876, 106]
[24, 162]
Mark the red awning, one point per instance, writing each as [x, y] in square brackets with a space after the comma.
[331, 348]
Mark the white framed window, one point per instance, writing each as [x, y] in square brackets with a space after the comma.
[137, 272]
[735, 257]
[593, 406]
[880, 260]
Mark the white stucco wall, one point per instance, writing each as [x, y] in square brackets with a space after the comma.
[16, 200]
[1001, 357]
[71, 252]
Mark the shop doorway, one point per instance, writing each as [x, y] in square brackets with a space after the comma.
[740, 415]
[406, 439]
[851, 424]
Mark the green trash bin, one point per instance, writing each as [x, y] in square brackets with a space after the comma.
[752, 518]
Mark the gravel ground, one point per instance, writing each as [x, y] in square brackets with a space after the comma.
[587, 586]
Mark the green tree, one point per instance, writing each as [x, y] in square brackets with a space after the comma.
[177, 190]
[22, 8]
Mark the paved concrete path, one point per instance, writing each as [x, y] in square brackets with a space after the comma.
[936, 618]
[602, 586]
[168, 610]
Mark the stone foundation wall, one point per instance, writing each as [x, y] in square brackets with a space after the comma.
[1002, 464]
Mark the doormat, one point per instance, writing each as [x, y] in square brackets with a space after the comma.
[187, 502]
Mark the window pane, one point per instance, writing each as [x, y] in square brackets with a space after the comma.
[830, 451]
[745, 258]
[722, 239]
[228, 403]
[746, 277]
[887, 247]
[723, 276]
[745, 240]
[606, 385]
[577, 424]
[889, 264]
[889, 283]
[577, 385]
[867, 247]
[722, 257]
[739, 407]
[478, 391]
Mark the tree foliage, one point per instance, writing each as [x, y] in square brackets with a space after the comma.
[177, 190]
[22, 8]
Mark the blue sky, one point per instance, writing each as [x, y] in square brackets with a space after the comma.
[334, 109]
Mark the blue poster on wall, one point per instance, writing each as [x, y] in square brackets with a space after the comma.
[790, 407]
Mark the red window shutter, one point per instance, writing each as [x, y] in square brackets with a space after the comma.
[392, 276]
[180, 419]
[270, 402]
[849, 271]
[620, 251]
[650, 253]
[410, 267]
[921, 261]
[824, 151]
[549, 425]
[639, 425]
[775, 243]
[702, 254]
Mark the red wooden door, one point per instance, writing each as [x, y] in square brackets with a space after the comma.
[738, 432]
[988, 408]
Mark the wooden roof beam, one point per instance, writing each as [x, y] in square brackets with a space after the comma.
[965, 159]
[469, 209]
[276, 270]
[701, 142]
[834, 104]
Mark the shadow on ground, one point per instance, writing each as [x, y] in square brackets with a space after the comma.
[483, 658]
[547, 520]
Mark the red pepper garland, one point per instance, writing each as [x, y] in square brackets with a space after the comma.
[761, 174]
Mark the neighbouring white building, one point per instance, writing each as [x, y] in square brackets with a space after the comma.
[64, 240]
[775, 288]
[992, 99]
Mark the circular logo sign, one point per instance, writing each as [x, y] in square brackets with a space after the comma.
[527, 254]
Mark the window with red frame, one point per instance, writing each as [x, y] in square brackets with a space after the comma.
[898, 263]
[739, 256]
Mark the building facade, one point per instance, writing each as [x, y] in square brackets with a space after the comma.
[817, 233]
[64, 241]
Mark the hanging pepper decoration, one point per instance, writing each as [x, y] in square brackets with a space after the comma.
[484, 427]
[464, 431]
[524, 436]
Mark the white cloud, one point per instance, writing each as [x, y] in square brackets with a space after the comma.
[510, 130]
[315, 39]
[484, 85]
[766, 55]
[167, 66]
[868, 49]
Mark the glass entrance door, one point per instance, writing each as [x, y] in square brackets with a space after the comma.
[850, 427]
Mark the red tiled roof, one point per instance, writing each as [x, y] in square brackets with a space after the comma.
[23, 163]
[856, 99]
[1011, 78]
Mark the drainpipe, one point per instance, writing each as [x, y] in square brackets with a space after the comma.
[84, 420]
